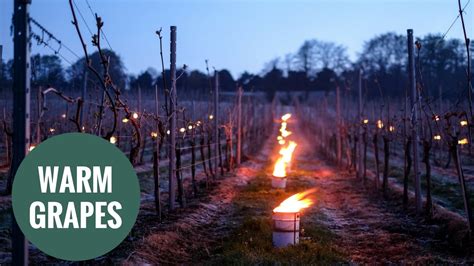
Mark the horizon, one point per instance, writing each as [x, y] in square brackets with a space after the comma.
[260, 38]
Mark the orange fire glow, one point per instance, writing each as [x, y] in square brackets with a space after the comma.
[286, 117]
[280, 168]
[296, 202]
[284, 133]
[287, 152]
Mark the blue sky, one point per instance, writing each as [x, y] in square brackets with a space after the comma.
[236, 34]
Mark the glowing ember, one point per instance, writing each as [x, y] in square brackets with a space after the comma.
[113, 140]
[287, 152]
[366, 121]
[379, 124]
[296, 202]
[154, 135]
[125, 120]
[280, 168]
[437, 137]
[463, 123]
[286, 117]
[391, 128]
[463, 141]
[284, 133]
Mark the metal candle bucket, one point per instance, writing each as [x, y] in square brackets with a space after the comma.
[278, 182]
[286, 229]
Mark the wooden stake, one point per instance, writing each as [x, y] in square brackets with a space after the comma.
[156, 159]
[239, 126]
[172, 104]
[21, 115]
[338, 127]
[216, 120]
[359, 162]
[414, 119]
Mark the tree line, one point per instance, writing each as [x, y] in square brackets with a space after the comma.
[315, 66]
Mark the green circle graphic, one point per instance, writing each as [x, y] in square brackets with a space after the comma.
[99, 205]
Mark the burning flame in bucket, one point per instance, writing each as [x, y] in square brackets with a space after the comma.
[296, 202]
[287, 152]
[280, 168]
[284, 133]
[286, 117]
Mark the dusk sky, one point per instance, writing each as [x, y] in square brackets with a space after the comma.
[235, 34]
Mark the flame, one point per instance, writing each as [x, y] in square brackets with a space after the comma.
[463, 123]
[280, 168]
[437, 137]
[284, 133]
[32, 147]
[135, 115]
[296, 202]
[463, 141]
[286, 117]
[287, 152]
[366, 121]
[379, 124]
[282, 142]
[113, 139]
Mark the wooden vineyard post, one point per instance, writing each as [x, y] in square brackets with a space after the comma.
[239, 125]
[338, 127]
[193, 160]
[216, 121]
[219, 147]
[414, 118]
[21, 115]
[156, 158]
[172, 104]
[359, 160]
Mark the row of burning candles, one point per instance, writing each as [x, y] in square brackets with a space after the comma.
[436, 137]
[286, 216]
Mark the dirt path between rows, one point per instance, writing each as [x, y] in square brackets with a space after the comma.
[193, 236]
